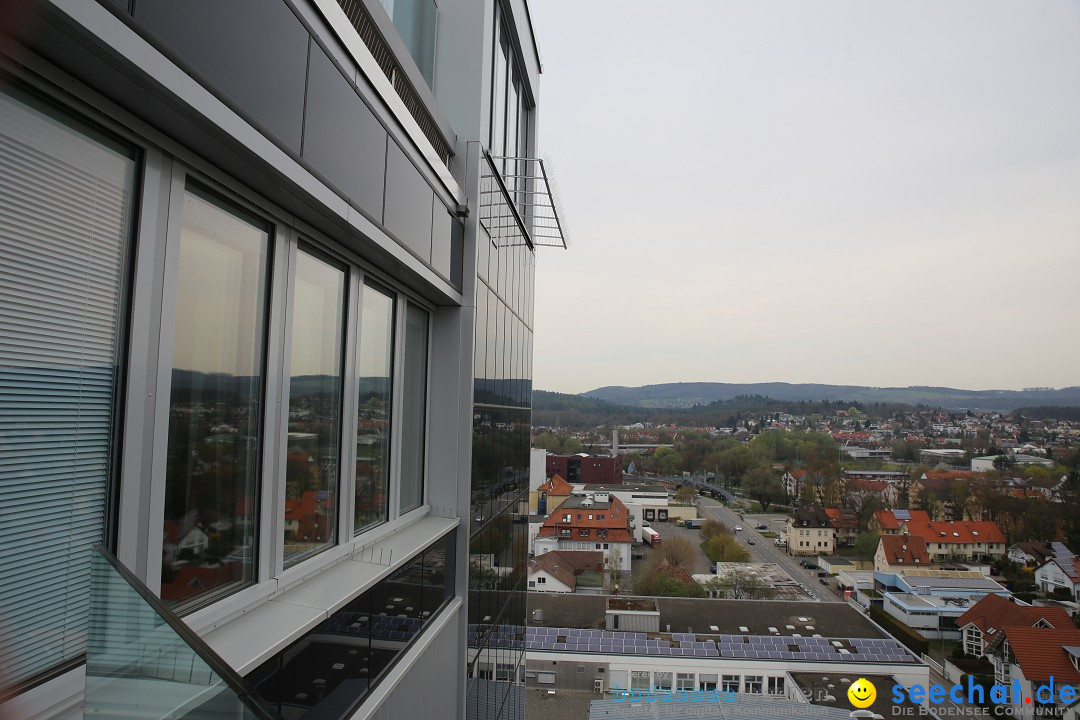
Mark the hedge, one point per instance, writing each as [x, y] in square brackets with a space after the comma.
[913, 640]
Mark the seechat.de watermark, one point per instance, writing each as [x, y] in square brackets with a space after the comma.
[1003, 700]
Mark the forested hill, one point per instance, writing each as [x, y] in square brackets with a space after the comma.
[579, 412]
[686, 395]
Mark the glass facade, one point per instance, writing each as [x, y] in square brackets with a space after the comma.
[215, 414]
[502, 422]
[414, 410]
[374, 403]
[330, 670]
[313, 447]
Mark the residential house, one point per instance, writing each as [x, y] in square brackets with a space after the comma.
[1034, 657]
[896, 553]
[810, 531]
[1036, 554]
[567, 571]
[889, 522]
[597, 521]
[984, 620]
[1060, 573]
[962, 540]
[549, 495]
[846, 522]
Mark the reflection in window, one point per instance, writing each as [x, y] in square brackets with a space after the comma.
[215, 411]
[311, 456]
[376, 354]
[413, 415]
[345, 656]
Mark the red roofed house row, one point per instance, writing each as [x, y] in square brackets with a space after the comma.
[961, 540]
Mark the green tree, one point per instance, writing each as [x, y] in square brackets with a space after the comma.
[762, 485]
[866, 543]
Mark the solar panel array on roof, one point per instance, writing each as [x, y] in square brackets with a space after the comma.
[1061, 551]
[901, 514]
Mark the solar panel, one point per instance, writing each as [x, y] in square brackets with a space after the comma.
[901, 514]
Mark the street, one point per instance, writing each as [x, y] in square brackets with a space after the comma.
[764, 549]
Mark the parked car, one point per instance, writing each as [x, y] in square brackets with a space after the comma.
[762, 527]
[749, 542]
[824, 581]
[822, 574]
[810, 566]
[738, 528]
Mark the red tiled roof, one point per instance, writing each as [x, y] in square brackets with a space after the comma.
[1041, 655]
[842, 518]
[616, 521]
[994, 612]
[905, 550]
[887, 521]
[958, 532]
[556, 486]
[869, 485]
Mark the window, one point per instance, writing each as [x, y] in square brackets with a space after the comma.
[215, 412]
[639, 680]
[684, 681]
[776, 686]
[416, 22]
[583, 533]
[662, 680]
[706, 681]
[541, 580]
[376, 355]
[752, 685]
[58, 388]
[414, 408]
[730, 683]
[312, 453]
[545, 678]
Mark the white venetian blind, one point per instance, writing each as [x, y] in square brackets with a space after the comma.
[66, 196]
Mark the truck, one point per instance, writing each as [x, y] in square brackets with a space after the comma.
[650, 536]
[694, 524]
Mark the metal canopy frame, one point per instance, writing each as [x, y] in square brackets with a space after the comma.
[519, 203]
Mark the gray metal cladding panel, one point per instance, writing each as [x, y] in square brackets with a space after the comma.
[408, 203]
[457, 252]
[254, 51]
[441, 237]
[342, 138]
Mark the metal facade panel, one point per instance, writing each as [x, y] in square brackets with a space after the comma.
[254, 51]
[342, 138]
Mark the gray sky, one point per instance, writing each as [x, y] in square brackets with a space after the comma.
[845, 191]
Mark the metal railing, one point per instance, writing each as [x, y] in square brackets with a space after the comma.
[519, 203]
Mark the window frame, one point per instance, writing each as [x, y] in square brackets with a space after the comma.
[287, 236]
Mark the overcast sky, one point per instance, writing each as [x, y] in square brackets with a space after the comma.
[841, 191]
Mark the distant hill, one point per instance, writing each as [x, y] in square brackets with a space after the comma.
[579, 412]
[685, 395]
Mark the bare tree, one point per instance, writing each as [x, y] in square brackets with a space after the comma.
[677, 550]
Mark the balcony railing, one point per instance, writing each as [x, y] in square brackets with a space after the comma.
[519, 203]
[142, 661]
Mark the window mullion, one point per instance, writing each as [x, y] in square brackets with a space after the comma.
[349, 407]
[278, 368]
[397, 395]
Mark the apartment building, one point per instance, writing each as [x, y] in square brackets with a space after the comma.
[597, 521]
[809, 531]
[266, 289]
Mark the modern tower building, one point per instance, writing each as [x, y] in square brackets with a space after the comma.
[266, 301]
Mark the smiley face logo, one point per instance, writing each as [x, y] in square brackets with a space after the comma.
[862, 693]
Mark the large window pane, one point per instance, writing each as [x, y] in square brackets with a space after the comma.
[66, 208]
[413, 411]
[215, 414]
[312, 455]
[376, 353]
